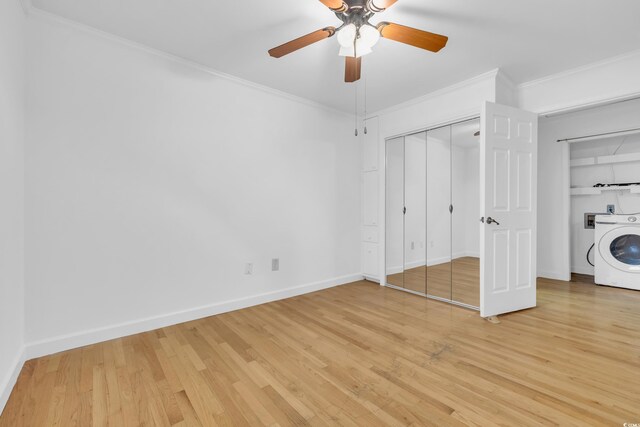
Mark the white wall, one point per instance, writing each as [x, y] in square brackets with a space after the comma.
[12, 21]
[151, 182]
[554, 254]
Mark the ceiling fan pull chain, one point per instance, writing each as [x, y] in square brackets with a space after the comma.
[365, 105]
[356, 105]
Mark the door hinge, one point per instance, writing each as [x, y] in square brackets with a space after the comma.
[450, 209]
[404, 210]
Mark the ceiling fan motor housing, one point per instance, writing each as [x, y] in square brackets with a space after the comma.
[356, 3]
[357, 15]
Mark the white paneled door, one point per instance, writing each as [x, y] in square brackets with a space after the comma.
[508, 181]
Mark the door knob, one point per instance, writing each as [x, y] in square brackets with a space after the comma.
[492, 221]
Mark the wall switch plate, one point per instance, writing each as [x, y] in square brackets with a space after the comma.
[248, 268]
[275, 264]
[611, 209]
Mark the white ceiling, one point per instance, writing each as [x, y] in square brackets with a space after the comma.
[527, 39]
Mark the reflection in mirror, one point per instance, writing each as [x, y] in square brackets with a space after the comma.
[438, 215]
[466, 214]
[415, 200]
[394, 187]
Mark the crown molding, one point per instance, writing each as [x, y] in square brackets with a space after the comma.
[561, 110]
[489, 75]
[581, 69]
[48, 16]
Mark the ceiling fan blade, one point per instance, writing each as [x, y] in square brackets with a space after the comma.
[353, 69]
[380, 5]
[304, 41]
[336, 5]
[412, 36]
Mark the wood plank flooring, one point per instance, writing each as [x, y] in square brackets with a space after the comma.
[358, 354]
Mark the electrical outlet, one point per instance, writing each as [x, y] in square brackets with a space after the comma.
[248, 268]
[611, 209]
[275, 264]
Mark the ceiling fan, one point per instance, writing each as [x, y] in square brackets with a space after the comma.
[357, 36]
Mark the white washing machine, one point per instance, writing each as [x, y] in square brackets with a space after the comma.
[617, 251]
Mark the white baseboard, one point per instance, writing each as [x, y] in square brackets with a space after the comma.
[413, 264]
[583, 270]
[6, 387]
[553, 275]
[92, 336]
[467, 254]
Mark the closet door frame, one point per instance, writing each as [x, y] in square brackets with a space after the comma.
[383, 281]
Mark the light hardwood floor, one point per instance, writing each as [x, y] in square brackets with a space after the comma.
[358, 354]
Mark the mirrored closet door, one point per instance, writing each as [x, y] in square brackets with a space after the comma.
[438, 215]
[432, 213]
[394, 212]
[415, 203]
[465, 225]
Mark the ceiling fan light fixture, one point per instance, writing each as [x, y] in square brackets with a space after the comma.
[361, 49]
[347, 35]
[346, 51]
[369, 35]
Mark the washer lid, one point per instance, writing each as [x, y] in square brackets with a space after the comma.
[620, 248]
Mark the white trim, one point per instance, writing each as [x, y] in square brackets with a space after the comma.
[92, 336]
[594, 103]
[42, 14]
[554, 275]
[439, 92]
[562, 109]
[566, 211]
[588, 271]
[580, 69]
[6, 387]
[572, 105]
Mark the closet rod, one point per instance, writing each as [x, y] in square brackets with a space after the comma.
[602, 135]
